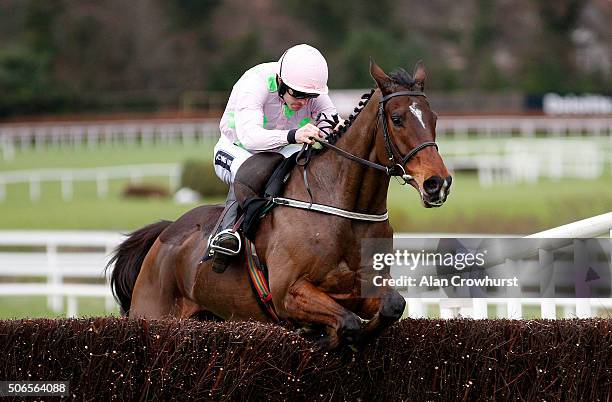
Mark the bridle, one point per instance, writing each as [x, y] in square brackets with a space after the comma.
[395, 168]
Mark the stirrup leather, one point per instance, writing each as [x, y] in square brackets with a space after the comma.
[214, 247]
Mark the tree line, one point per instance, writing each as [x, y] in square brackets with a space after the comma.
[69, 55]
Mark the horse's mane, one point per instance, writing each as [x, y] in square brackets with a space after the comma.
[400, 77]
[327, 124]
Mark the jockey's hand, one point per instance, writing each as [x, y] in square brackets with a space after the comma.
[305, 134]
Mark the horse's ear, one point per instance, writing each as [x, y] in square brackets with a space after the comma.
[420, 75]
[382, 79]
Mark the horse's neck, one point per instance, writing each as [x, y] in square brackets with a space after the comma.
[349, 184]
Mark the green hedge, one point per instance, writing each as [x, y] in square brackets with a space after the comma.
[200, 176]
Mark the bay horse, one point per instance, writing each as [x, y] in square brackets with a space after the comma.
[319, 280]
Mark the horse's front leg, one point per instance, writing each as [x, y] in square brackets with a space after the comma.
[306, 304]
[387, 310]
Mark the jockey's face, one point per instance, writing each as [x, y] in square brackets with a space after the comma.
[293, 103]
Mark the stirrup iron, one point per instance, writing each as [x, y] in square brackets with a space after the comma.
[217, 248]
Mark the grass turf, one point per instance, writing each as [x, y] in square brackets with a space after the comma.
[108, 155]
[516, 209]
[36, 307]
[519, 209]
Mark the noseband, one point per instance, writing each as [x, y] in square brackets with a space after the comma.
[395, 169]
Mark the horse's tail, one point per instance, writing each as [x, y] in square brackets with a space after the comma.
[128, 259]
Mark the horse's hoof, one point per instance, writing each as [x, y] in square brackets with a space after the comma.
[393, 307]
[351, 331]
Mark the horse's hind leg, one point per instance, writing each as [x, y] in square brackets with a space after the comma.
[307, 304]
[154, 293]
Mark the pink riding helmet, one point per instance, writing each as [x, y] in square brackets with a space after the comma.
[303, 68]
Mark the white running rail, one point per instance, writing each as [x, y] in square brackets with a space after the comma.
[57, 255]
[580, 308]
[100, 175]
[52, 255]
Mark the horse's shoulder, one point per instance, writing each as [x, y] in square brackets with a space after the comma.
[202, 218]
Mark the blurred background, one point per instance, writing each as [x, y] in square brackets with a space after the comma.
[109, 112]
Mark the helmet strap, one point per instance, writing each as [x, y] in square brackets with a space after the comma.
[282, 87]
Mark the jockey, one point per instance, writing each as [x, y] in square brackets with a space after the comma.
[271, 108]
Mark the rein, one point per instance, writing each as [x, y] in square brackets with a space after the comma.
[395, 169]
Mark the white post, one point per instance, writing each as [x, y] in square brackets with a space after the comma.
[467, 311]
[446, 312]
[583, 304]
[146, 135]
[416, 308]
[451, 308]
[109, 301]
[39, 141]
[24, 142]
[514, 308]
[485, 174]
[8, 147]
[548, 308]
[102, 184]
[56, 138]
[583, 308]
[72, 307]
[54, 277]
[9, 151]
[34, 188]
[67, 187]
[480, 309]
[165, 135]
[91, 138]
[135, 177]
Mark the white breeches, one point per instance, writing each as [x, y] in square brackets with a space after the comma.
[229, 157]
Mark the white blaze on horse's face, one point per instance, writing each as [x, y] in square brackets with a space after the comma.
[414, 108]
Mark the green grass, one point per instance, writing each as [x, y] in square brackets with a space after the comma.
[108, 155]
[35, 307]
[86, 211]
[515, 209]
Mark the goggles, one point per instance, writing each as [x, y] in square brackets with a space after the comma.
[300, 95]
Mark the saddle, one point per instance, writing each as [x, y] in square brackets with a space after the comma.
[261, 177]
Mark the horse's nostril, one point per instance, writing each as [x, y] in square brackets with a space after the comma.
[433, 185]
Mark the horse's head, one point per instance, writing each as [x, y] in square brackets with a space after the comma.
[408, 133]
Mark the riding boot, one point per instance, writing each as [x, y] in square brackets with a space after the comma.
[225, 243]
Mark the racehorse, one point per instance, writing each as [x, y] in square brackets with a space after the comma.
[319, 279]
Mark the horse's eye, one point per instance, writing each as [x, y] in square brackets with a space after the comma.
[397, 121]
